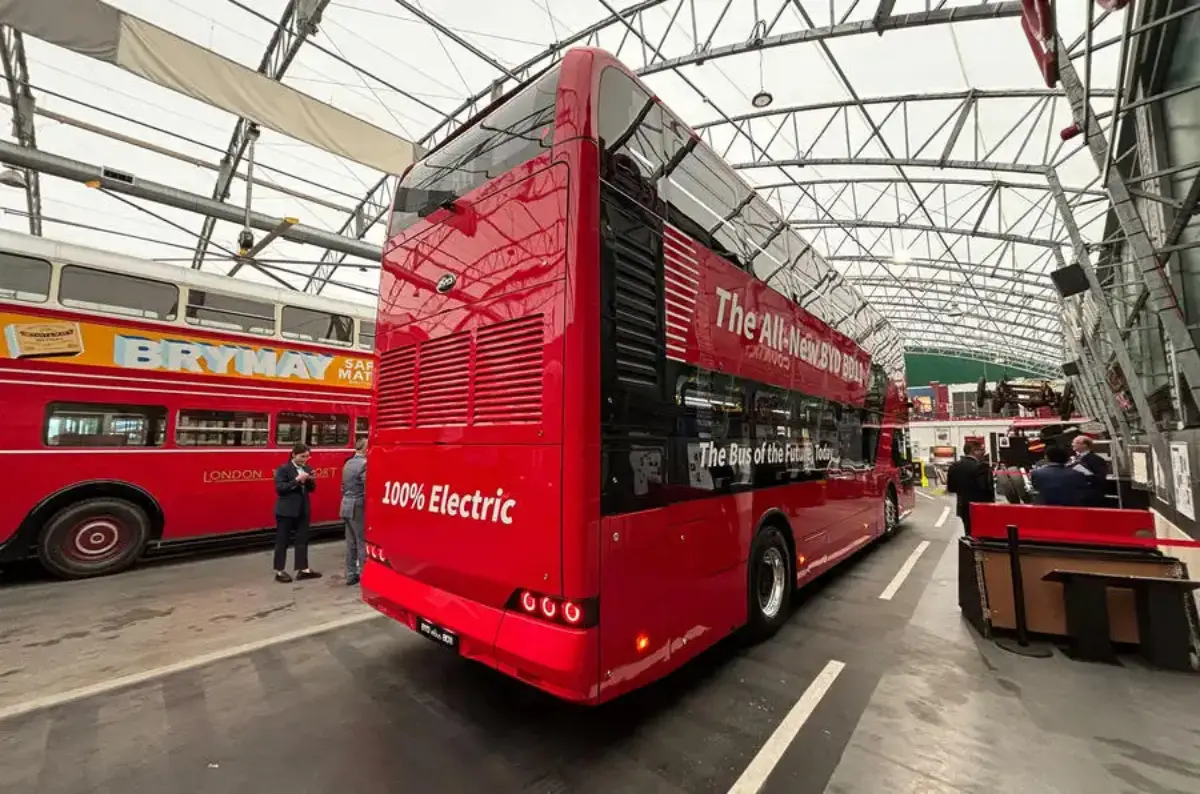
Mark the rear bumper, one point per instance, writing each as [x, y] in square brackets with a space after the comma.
[563, 662]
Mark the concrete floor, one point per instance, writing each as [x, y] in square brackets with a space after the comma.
[921, 705]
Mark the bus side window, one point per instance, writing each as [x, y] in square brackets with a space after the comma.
[366, 334]
[900, 450]
[221, 429]
[362, 428]
[23, 278]
[870, 437]
[315, 430]
[309, 325]
[117, 293]
[214, 310]
[104, 425]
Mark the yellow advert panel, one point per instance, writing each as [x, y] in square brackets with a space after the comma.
[85, 343]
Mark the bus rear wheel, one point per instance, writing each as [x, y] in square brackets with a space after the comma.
[891, 513]
[95, 537]
[771, 583]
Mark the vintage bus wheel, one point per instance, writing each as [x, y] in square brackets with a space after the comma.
[93, 538]
[771, 582]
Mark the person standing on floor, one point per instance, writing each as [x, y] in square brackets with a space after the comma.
[1092, 466]
[354, 495]
[1059, 484]
[294, 481]
[970, 479]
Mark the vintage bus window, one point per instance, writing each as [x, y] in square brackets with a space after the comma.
[214, 310]
[362, 428]
[316, 430]
[311, 325]
[117, 293]
[366, 334]
[519, 130]
[104, 425]
[221, 429]
[23, 278]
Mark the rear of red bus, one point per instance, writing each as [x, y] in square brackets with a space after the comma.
[534, 455]
[486, 359]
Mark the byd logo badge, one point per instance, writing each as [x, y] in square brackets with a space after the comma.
[446, 283]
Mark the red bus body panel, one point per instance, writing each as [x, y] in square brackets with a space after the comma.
[670, 581]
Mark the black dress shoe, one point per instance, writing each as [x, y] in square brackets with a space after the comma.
[282, 577]
[302, 575]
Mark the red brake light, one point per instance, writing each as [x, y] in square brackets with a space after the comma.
[580, 613]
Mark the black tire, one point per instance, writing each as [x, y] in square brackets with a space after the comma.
[95, 537]
[768, 600]
[891, 513]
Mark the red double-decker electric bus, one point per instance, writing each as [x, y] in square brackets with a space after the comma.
[622, 410]
[147, 405]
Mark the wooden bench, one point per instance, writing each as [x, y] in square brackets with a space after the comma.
[1164, 628]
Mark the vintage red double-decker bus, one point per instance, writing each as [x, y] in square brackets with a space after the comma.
[622, 410]
[146, 405]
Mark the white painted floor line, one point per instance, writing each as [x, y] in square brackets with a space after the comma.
[752, 780]
[942, 518]
[927, 496]
[904, 571]
[71, 695]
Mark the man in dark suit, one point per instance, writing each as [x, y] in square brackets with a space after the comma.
[1057, 483]
[294, 481]
[970, 479]
[1093, 467]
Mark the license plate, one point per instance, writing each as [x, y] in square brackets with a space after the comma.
[438, 634]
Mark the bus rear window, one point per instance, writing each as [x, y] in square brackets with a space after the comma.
[512, 134]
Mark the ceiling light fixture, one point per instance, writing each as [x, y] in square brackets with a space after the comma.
[762, 99]
[11, 177]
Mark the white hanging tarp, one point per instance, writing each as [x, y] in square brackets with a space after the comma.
[97, 30]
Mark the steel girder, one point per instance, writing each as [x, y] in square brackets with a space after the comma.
[1010, 360]
[629, 23]
[299, 21]
[1024, 152]
[968, 211]
[16, 73]
[376, 201]
[835, 30]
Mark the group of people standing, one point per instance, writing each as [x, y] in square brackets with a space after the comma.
[1062, 479]
[294, 483]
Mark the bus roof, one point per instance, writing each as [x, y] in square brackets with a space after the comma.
[69, 253]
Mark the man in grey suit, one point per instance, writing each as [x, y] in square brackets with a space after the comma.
[354, 485]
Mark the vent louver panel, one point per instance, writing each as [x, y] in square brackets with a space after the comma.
[492, 376]
[634, 247]
[508, 373]
[394, 402]
[443, 380]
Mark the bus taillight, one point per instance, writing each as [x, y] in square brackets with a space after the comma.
[576, 614]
